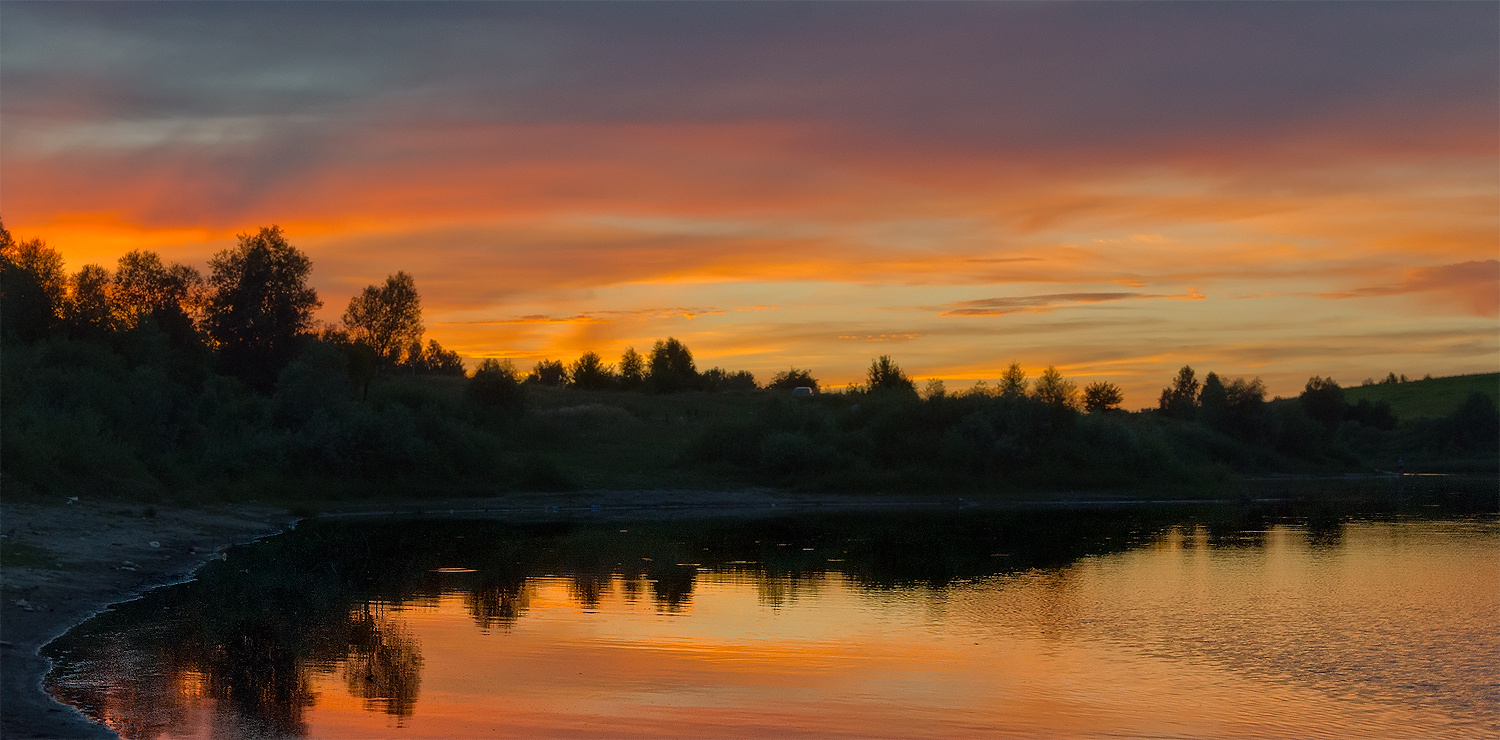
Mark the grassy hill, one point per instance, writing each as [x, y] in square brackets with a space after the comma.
[1430, 398]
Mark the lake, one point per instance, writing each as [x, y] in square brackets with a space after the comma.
[1236, 620]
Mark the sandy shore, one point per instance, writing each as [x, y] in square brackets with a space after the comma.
[66, 562]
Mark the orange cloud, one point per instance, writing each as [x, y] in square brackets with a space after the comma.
[1473, 284]
[595, 317]
[1046, 303]
[898, 337]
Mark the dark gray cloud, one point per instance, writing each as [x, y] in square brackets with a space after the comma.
[989, 76]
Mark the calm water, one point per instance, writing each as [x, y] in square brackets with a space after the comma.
[1160, 623]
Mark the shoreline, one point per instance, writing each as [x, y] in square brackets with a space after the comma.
[67, 562]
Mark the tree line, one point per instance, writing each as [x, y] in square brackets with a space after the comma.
[253, 311]
[151, 376]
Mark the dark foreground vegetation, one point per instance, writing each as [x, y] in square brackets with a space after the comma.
[152, 381]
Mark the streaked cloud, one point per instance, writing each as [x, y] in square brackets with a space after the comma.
[1045, 303]
[594, 317]
[563, 177]
[884, 337]
[1474, 284]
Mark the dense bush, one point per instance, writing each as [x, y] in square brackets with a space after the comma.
[496, 386]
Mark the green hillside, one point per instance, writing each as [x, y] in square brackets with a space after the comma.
[1431, 398]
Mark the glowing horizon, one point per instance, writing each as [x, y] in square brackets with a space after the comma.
[1255, 190]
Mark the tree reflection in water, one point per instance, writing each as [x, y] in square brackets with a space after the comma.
[247, 639]
[498, 603]
[384, 666]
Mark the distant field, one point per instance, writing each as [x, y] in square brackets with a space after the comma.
[1435, 397]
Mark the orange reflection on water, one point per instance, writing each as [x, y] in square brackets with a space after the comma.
[1178, 639]
[1330, 630]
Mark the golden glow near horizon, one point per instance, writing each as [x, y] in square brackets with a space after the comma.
[1111, 208]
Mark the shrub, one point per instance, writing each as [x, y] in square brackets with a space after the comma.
[495, 386]
[590, 372]
[550, 373]
[790, 378]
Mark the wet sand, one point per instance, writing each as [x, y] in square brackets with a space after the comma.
[66, 562]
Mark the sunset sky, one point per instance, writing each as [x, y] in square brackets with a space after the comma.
[1271, 189]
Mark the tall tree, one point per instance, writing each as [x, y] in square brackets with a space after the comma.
[885, 375]
[1213, 401]
[1053, 390]
[590, 372]
[33, 287]
[1100, 397]
[632, 369]
[431, 360]
[146, 290]
[387, 317]
[549, 373]
[89, 312]
[1013, 382]
[1180, 400]
[671, 367]
[260, 305]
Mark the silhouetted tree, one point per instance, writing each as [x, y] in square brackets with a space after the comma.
[1100, 397]
[1013, 382]
[33, 287]
[430, 360]
[1180, 400]
[719, 379]
[442, 361]
[980, 389]
[671, 367]
[934, 388]
[260, 305]
[387, 317]
[590, 372]
[1053, 390]
[548, 373]
[790, 378]
[88, 311]
[146, 290]
[496, 386]
[632, 369]
[1243, 395]
[1323, 400]
[1235, 407]
[1213, 400]
[886, 375]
